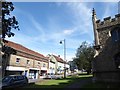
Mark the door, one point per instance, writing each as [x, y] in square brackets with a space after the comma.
[26, 73]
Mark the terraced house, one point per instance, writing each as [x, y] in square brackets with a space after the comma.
[26, 62]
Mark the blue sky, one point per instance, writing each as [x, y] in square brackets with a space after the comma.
[44, 24]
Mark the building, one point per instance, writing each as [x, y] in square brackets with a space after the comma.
[59, 64]
[34, 65]
[52, 64]
[25, 62]
[56, 64]
[67, 68]
[106, 65]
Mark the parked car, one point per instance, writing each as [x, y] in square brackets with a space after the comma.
[13, 81]
[0, 85]
[50, 76]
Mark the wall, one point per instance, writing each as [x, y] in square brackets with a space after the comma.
[22, 63]
[104, 68]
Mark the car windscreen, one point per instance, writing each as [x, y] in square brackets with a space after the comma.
[6, 79]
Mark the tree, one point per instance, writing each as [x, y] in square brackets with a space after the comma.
[9, 22]
[84, 57]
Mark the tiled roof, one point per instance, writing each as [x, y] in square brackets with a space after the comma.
[21, 48]
[59, 59]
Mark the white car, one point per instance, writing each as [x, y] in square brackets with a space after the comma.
[50, 76]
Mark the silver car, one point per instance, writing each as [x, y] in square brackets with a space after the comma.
[50, 76]
[13, 81]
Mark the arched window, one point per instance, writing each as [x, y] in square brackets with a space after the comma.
[115, 34]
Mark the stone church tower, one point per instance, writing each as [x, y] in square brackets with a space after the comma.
[106, 63]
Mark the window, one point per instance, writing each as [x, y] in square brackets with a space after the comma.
[28, 61]
[44, 65]
[38, 62]
[6, 79]
[20, 77]
[17, 60]
[115, 34]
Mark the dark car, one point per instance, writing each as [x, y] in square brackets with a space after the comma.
[14, 81]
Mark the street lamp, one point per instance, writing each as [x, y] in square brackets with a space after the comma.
[63, 41]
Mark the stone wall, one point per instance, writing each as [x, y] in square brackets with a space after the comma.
[104, 68]
[108, 22]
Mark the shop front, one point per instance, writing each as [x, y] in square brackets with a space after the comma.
[12, 70]
[33, 73]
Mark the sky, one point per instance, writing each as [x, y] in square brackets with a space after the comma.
[44, 24]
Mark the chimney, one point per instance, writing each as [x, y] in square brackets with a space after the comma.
[58, 55]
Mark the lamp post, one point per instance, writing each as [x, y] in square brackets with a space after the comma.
[64, 56]
[118, 7]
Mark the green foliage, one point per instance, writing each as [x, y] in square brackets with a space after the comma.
[60, 83]
[8, 50]
[8, 22]
[84, 56]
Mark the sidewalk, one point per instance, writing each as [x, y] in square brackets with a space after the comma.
[35, 80]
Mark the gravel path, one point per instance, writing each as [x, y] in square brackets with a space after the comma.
[80, 83]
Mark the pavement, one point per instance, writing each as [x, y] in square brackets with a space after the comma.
[34, 80]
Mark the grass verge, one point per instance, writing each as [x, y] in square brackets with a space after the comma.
[59, 83]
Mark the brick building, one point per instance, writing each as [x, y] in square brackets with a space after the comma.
[26, 62]
[106, 66]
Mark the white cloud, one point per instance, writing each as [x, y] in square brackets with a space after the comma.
[107, 12]
[68, 32]
[83, 15]
[109, 9]
[81, 25]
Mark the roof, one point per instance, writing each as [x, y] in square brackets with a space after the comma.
[59, 59]
[21, 48]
